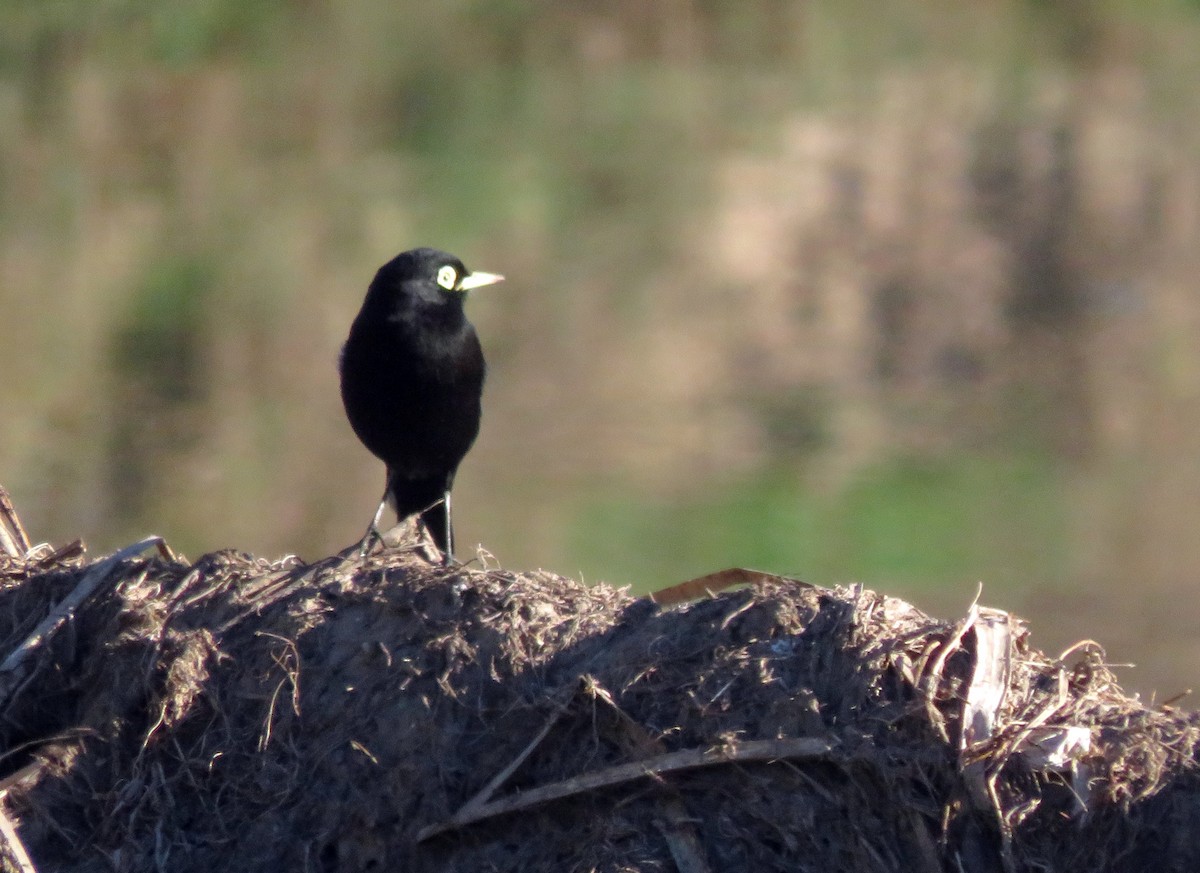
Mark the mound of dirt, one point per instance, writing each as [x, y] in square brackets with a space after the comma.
[240, 714]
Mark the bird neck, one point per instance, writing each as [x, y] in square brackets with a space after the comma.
[422, 316]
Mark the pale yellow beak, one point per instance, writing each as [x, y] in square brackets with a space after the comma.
[478, 280]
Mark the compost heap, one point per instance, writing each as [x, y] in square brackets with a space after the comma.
[386, 713]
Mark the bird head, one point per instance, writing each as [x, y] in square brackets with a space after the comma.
[430, 275]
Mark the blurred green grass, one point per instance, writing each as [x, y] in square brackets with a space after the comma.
[912, 526]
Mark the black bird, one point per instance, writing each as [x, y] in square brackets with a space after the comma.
[412, 378]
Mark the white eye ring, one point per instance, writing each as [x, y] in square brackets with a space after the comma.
[447, 277]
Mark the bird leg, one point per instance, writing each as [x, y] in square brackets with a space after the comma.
[373, 534]
[448, 557]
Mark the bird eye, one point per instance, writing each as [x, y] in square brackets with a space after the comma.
[447, 277]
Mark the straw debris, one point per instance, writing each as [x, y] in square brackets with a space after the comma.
[349, 715]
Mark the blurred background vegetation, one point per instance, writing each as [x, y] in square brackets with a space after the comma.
[902, 293]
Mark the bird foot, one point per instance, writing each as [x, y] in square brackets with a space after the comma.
[409, 533]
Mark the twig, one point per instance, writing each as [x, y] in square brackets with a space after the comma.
[708, 586]
[272, 588]
[679, 830]
[15, 847]
[62, 553]
[685, 759]
[25, 774]
[7, 544]
[14, 668]
[16, 543]
[676, 826]
[931, 681]
[484, 795]
[165, 551]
